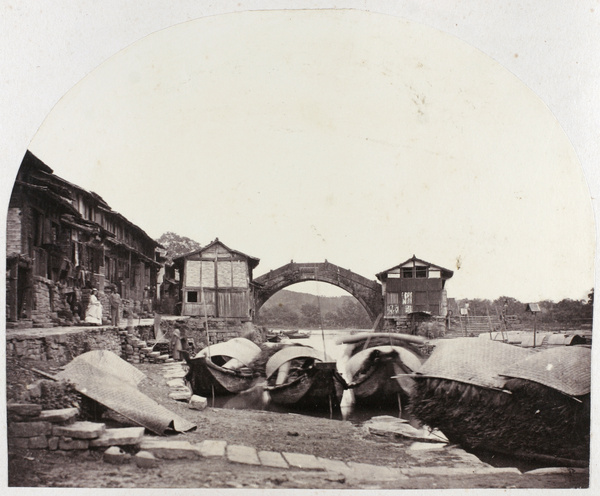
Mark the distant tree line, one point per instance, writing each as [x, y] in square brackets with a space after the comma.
[562, 312]
[349, 314]
[288, 309]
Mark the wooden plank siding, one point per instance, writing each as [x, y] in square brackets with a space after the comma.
[217, 280]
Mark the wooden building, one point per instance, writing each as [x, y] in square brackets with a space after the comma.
[414, 286]
[216, 282]
[62, 240]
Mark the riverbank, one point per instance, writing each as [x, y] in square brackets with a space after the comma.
[409, 465]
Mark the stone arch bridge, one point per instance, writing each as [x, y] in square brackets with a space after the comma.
[366, 291]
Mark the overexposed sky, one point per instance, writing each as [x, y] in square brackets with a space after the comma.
[350, 136]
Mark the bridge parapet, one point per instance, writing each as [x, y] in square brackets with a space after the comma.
[366, 291]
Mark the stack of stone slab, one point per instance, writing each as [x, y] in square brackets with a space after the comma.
[30, 427]
[131, 347]
[136, 350]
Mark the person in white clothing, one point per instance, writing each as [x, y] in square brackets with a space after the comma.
[93, 312]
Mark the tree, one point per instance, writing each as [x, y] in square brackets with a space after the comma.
[279, 316]
[176, 245]
[310, 315]
[352, 314]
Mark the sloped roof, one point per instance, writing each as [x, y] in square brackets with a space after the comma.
[253, 261]
[51, 184]
[446, 273]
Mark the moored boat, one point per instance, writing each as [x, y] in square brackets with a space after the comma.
[295, 334]
[492, 396]
[222, 368]
[301, 377]
[378, 367]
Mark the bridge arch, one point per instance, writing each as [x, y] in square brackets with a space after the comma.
[366, 291]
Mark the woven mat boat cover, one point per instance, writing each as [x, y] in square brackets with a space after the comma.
[111, 381]
[472, 361]
[564, 368]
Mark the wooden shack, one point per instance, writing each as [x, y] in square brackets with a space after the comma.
[215, 282]
[414, 286]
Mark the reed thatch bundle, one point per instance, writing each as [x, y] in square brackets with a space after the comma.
[478, 406]
[531, 419]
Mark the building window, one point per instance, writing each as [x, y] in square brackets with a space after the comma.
[407, 272]
[421, 271]
[192, 296]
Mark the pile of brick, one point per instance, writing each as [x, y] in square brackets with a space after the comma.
[30, 427]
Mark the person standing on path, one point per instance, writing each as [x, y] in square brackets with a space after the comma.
[93, 313]
[115, 306]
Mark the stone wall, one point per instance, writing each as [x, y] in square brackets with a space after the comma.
[62, 348]
[13, 231]
[44, 299]
[219, 330]
[130, 344]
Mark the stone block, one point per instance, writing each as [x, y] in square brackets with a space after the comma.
[18, 442]
[419, 446]
[29, 429]
[305, 462]
[198, 402]
[53, 443]
[176, 383]
[212, 447]
[145, 459]
[395, 428]
[126, 436]
[24, 409]
[242, 454]
[68, 444]
[171, 450]
[63, 415]
[556, 470]
[38, 442]
[499, 470]
[337, 466]
[115, 456]
[175, 374]
[80, 430]
[180, 395]
[366, 471]
[439, 471]
[272, 459]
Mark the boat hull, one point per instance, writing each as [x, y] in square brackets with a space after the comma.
[207, 378]
[319, 387]
[380, 376]
[378, 387]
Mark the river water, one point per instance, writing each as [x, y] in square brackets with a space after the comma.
[257, 398]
